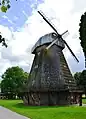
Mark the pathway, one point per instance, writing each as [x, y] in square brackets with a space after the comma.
[7, 114]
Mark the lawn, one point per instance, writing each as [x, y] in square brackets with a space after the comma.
[84, 101]
[45, 112]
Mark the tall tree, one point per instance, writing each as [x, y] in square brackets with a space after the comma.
[80, 78]
[14, 81]
[82, 32]
[83, 80]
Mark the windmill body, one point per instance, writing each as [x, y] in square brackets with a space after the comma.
[46, 67]
[50, 81]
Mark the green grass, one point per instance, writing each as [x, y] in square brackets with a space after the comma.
[84, 101]
[45, 112]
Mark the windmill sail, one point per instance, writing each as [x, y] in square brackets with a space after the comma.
[71, 51]
[59, 36]
[47, 20]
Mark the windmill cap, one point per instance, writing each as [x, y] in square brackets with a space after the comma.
[46, 39]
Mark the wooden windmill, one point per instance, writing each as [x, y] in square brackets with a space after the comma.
[50, 81]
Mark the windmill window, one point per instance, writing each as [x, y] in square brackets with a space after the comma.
[38, 53]
[33, 82]
[65, 66]
[54, 35]
[36, 67]
[68, 87]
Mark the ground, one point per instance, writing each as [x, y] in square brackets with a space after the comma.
[45, 112]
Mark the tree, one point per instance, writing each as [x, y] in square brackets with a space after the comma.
[80, 78]
[82, 33]
[5, 5]
[14, 81]
[83, 80]
[77, 78]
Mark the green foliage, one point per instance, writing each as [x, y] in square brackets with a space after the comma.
[82, 32]
[80, 78]
[77, 77]
[14, 80]
[3, 8]
[83, 80]
[45, 112]
[5, 5]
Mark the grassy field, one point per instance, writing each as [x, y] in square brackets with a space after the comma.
[45, 112]
[84, 101]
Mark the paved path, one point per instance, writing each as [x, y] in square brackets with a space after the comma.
[7, 114]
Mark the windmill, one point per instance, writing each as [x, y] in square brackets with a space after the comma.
[50, 81]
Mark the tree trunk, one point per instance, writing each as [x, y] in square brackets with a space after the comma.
[80, 100]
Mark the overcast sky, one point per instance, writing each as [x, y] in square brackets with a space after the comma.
[22, 26]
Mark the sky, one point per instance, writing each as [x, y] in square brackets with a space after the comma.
[22, 26]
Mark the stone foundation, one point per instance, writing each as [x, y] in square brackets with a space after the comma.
[53, 98]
